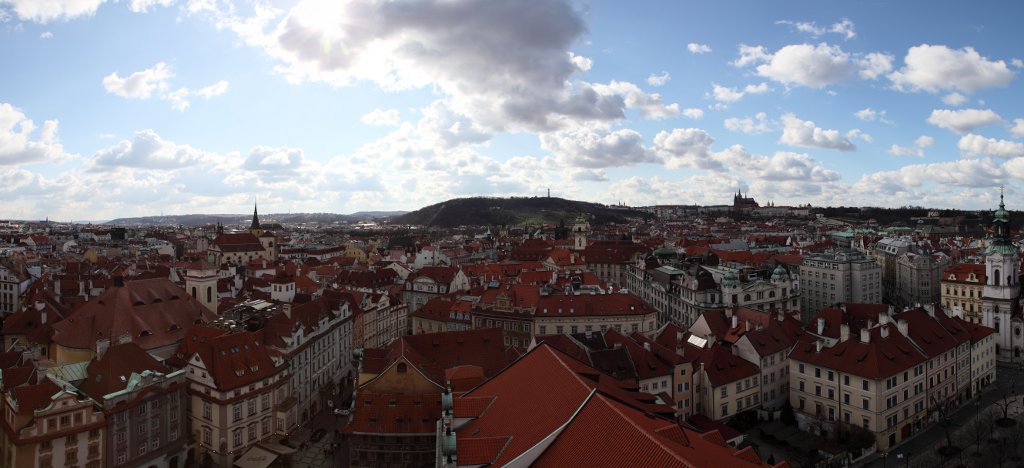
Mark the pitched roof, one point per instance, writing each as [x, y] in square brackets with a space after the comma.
[154, 312]
[232, 359]
[112, 371]
[878, 359]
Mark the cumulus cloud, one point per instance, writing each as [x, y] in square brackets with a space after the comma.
[971, 173]
[590, 149]
[381, 117]
[43, 11]
[658, 80]
[750, 125]
[698, 48]
[917, 150]
[972, 145]
[797, 132]
[954, 99]
[875, 64]
[280, 162]
[843, 27]
[868, 114]
[156, 82]
[965, 120]
[20, 143]
[693, 113]
[814, 66]
[938, 68]
[729, 95]
[147, 150]
[506, 67]
[649, 105]
[685, 147]
[1018, 128]
[142, 84]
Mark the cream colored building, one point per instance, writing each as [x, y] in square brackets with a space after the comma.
[875, 381]
[557, 314]
[961, 290]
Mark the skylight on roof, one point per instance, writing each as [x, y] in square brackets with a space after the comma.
[697, 341]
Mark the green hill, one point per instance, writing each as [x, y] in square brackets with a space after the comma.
[480, 211]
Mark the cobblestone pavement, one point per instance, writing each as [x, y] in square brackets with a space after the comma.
[314, 454]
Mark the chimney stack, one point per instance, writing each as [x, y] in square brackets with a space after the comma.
[865, 335]
[883, 318]
[821, 325]
[817, 346]
[930, 308]
[903, 327]
[844, 332]
[885, 331]
[735, 322]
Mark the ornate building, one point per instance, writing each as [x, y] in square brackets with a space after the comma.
[1001, 295]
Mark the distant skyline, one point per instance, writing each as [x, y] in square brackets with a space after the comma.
[139, 107]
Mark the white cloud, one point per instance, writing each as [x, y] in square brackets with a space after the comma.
[868, 114]
[215, 89]
[971, 173]
[381, 117]
[750, 125]
[685, 147]
[750, 55]
[954, 99]
[43, 11]
[698, 48]
[857, 133]
[19, 146]
[581, 63]
[143, 6]
[797, 132]
[141, 84]
[917, 150]
[875, 64]
[658, 80]
[155, 82]
[728, 95]
[592, 149]
[649, 105]
[976, 145]
[150, 152]
[843, 27]
[506, 67]
[807, 65]
[46, 35]
[1018, 128]
[1017, 63]
[964, 120]
[939, 68]
[693, 113]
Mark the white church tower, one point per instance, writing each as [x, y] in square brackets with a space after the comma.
[579, 233]
[1002, 288]
[201, 283]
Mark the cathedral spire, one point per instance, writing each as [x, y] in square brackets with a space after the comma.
[255, 217]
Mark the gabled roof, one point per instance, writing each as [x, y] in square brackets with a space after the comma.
[546, 391]
[879, 359]
[114, 369]
[232, 359]
[434, 353]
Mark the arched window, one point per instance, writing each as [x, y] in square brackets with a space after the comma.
[746, 297]
[194, 293]
[771, 293]
[209, 294]
[995, 277]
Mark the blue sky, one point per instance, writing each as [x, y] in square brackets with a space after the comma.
[139, 107]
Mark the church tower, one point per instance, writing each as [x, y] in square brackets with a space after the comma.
[201, 283]
[254, 228]
[1002, 287]
[579, 233]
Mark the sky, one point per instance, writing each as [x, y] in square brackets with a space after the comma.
[146, 107]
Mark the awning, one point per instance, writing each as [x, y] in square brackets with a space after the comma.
[277, 448]
[256, 458]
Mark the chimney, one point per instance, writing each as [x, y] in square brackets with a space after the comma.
[883, 318]
[930, 308]
[871, 323]
[747, 325]
[735, 322]
[647, 346]
[782, 316]
[844, 332]
[865, 335]
[903, 327]
[892, 309]
[817, 346]
[821, 325]
[885, 331]
[42, 315]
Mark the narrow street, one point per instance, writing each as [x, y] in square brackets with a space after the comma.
[933, 437]
[319, 454]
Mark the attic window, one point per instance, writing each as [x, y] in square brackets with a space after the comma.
[240, 372]
[139, 303]
[157, 301]
[254, 368]
[175, 327]
[145, 333]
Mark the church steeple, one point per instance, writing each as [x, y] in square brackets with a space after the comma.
[255, 218]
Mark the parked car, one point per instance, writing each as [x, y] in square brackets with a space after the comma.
[341, 412]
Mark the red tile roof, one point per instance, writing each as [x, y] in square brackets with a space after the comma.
[154, 312]
[233, 359]
[879, 359]
[112, 371]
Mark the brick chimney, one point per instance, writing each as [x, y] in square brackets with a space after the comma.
[865, 335]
